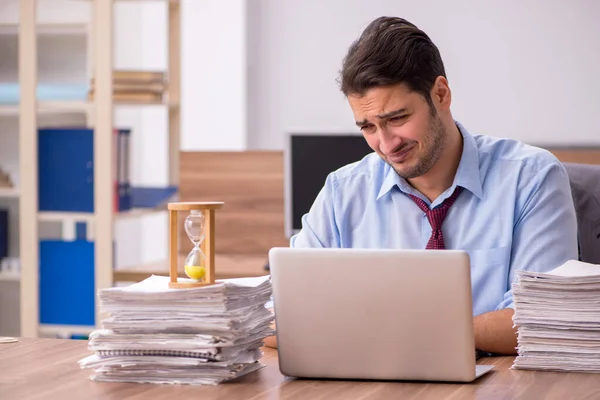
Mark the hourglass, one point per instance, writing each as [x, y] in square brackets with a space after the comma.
[199, 226]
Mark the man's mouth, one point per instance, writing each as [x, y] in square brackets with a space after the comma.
[401, 155]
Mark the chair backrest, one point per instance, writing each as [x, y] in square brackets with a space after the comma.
[585, 187]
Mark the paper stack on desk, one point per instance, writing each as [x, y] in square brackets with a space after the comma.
[204, 335]
[557, 315]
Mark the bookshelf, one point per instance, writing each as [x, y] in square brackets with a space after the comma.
[99, 112]
[9, 193]
[47, 29]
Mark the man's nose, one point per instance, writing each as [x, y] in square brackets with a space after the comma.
[387, 142]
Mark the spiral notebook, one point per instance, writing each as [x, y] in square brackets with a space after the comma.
[203, 354]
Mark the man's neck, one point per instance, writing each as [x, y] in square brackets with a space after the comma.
[441, 176]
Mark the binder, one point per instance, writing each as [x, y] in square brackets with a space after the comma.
[152, 197]
[66, 169]
[3, 233]
[123, 179]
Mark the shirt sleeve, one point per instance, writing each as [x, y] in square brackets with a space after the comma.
[319, 227]
[545, 229]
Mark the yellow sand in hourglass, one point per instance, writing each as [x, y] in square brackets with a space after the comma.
[199, 226]
[195, 263]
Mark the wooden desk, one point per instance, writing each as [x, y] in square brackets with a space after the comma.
[35, 369]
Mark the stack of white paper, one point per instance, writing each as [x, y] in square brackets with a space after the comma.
[557, 315]
[204, 335]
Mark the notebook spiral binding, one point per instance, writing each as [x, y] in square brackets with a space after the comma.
[158, 352]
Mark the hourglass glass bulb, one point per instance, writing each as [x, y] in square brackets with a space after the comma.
[194, 226]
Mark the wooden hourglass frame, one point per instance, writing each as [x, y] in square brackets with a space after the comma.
[207, 245]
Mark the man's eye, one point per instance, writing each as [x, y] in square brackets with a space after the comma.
[398, 118]
[367, 128]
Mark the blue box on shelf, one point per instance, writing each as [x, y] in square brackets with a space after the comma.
[67, 286]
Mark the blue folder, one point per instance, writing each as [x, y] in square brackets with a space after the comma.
[10, 93]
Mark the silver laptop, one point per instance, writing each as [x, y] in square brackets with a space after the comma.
[374, 314]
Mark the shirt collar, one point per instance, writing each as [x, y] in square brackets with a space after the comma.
[467, 174]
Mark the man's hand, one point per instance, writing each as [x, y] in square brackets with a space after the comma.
[271, 341]
[494, 332]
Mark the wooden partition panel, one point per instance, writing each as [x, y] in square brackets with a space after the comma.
[251, 185]
[583, 155]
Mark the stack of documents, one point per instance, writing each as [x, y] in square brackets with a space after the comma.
[557, 315]
[204, 335]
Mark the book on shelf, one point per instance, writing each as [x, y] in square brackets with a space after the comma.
[128, 87]
[137, 77]
[3, 233]
[135, 86]
[133, 97]
[5, 181]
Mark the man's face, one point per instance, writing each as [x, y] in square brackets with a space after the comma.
[401, 127]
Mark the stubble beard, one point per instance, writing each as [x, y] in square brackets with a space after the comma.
[433, 148]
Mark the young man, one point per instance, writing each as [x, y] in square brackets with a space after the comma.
[432, 184]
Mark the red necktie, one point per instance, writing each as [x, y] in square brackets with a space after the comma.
[436, 218]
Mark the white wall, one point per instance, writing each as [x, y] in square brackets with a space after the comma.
[214, 84]
[518, 69]
[61, 11]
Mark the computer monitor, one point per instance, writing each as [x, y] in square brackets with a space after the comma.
[309, 158]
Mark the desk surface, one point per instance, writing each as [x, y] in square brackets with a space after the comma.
[47, 369]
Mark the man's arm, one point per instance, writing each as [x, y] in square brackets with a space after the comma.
[544, 237]
[494, 332]
[319, 227]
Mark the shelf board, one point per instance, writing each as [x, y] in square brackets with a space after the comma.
[48, 107]
[9, 277]
[9, 193]
[48, 29]
[9, 110]
[71, 107]
[65, 330]
[63, 106]
[137, 1]
[226, 266]
[59, 216]
[139, 212]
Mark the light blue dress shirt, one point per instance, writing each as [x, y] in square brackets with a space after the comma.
[515, 212]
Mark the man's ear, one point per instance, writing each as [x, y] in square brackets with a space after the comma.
[441, 94]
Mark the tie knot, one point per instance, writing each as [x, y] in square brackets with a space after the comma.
[444, 206]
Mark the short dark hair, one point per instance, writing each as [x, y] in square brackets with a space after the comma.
[390, 51]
